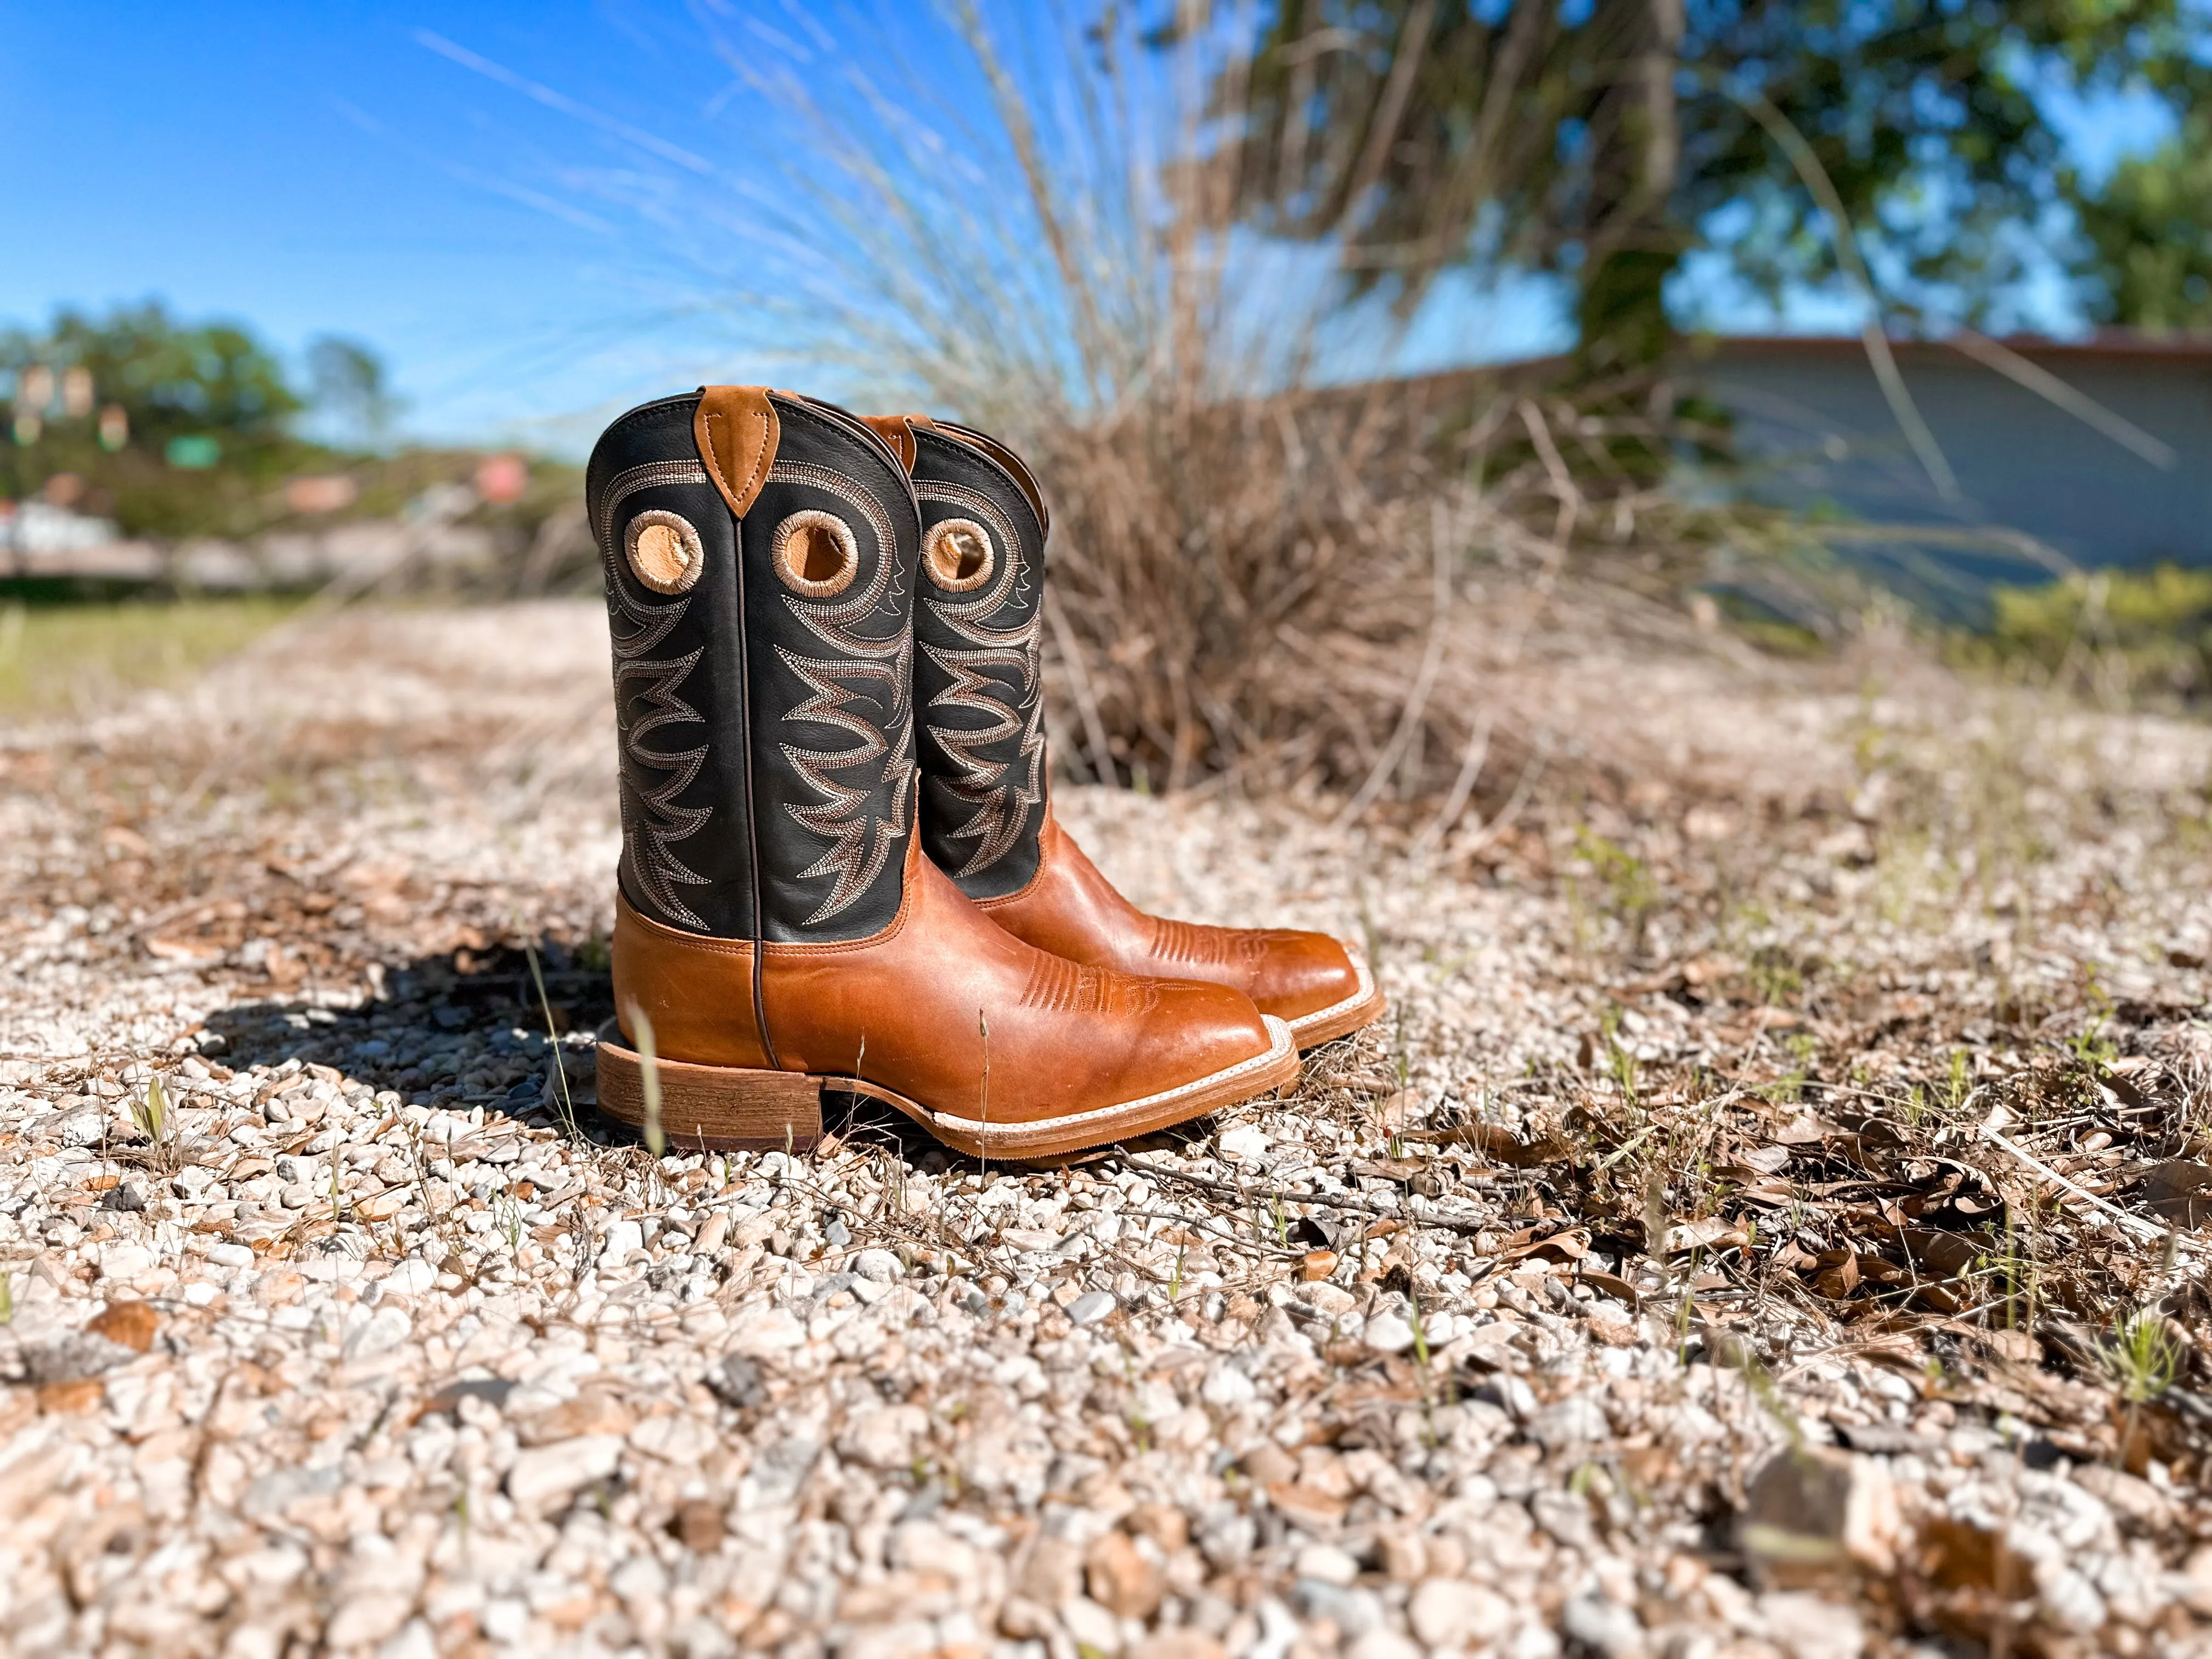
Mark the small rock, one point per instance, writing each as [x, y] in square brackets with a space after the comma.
[1387, 1333]
[1052, 1572]
[682, 1440]
[1605, 1626]
[1332, 1300]
[1316, 1265]
[1576, 1420]
[1091, 1307]
[1810, 1502]
[1327, 1563]
[621, 1240]
[1180, 1644]
[545, 1474]
[1448, 1613]
[1089, 1626]
[365, 1619]
[2128, 1495]
[1242, 1143]
[736, 1381]
[1806, 1626]
[883, 1439]
[230, 1255]
[772, 1331]
[1121, 1579]
[878, 1267]
[1382, 1642]
[1163, 1523]
[120, 1261]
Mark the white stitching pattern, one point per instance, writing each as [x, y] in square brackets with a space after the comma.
[652, 821]
[1002, 805]
[861, 837]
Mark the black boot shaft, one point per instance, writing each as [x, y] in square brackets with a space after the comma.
[978, 693]
[764, 669]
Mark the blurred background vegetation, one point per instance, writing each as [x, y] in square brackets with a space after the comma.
[1178, 252]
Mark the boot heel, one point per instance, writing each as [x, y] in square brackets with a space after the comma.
[714, 1109]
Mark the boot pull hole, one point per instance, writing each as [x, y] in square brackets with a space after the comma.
[816, 554]
[957, 554]
[664, 551]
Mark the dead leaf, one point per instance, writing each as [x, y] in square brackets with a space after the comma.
[1389, 1169]
[1841, 1274]
[1499, 1144]
[2179, 1192]
[1612, 1284]
[74, 1398]
[1947, 1256]
[128, 1324]
[1713, 1230]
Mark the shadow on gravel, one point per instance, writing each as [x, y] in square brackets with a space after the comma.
[468, 1028]
[463, 1030]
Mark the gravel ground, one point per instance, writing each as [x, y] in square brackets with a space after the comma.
[1768, 1225]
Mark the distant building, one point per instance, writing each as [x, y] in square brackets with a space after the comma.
[1814, 432]
[40, 528]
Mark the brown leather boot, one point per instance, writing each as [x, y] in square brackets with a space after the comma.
[777, 926]
[985, 819]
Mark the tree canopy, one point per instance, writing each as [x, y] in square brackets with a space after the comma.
[1606, 141]
[171, 427]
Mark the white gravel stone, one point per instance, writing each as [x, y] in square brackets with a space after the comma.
[545, 1474]
[1091, 1307]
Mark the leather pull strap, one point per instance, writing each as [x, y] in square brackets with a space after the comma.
[736, 429]
[897, 431]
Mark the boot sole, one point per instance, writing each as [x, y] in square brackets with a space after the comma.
[1363, 1007]
[730, 1109]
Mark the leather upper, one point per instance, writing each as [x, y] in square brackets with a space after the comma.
[764, 708]
[907, 1009]
[979, 692]
[1073, 911]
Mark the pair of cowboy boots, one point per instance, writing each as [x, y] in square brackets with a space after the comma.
[815, 897]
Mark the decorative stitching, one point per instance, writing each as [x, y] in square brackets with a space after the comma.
[651, 475]
[1002, 801]
[862, 825]
[1057, 985]
[652, 821]
[1192, 942]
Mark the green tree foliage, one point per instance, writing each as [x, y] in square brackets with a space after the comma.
[2151, 226]
[1607, 140]
[172, 428]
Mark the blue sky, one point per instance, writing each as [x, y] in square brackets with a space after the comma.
[491, 195]
[316, 167]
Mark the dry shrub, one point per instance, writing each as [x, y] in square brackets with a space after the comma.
[1255, 577]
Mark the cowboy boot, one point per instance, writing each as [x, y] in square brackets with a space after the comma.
[777, 931]
[985, 818]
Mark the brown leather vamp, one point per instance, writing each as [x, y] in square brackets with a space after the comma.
[910, 1007]
[1072, 910]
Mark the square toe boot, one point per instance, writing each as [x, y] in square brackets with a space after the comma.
[777, 926]
[985, 817]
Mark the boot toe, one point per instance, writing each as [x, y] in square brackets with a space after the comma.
[1320, 985]
[1195, 1028]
